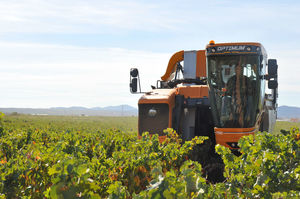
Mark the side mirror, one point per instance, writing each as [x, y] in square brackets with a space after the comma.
[272, 74]
[272, 67]
[272, 84]
[134, 72]
[133, 85]
[134, 78]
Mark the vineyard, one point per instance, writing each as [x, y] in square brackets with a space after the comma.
[73, 157]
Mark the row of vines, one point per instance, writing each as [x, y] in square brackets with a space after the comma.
[68, 163]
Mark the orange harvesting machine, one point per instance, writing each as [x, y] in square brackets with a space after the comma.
[219, 92]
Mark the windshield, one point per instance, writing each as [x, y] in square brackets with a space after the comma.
[234, 90]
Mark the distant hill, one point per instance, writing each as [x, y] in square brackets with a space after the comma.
[122, 110]
[285, 112]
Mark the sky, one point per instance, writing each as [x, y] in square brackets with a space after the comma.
[57, 53]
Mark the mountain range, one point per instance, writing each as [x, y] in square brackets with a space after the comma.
[284, 112]
[288, 112]
[121, 110]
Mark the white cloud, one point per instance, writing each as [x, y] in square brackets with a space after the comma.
[43, 75]
[54, 75]
[80, 16]
[98, 16]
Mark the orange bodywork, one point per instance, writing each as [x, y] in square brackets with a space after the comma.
[177, 57]
[224, 135]
[161, 96]
[201, 64]
[193, 91]
[235, 44]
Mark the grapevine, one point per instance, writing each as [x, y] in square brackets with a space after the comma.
[48, 159]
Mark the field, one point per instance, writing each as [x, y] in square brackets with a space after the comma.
[285, 125]
[127, 124]
[91, 123]
[100, 157]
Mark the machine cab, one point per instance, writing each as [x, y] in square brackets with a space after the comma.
[235, 78]
[236, 75]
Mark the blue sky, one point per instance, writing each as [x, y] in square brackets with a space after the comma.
[79, 52]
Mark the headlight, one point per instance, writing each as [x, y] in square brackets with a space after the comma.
[152, 112]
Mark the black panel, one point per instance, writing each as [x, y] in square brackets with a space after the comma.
[233, 49]
[204, 125]
[177, 111]
[153, 124]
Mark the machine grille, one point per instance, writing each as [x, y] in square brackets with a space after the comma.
[153, 118]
